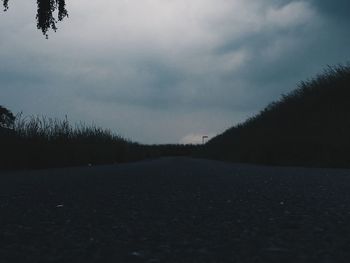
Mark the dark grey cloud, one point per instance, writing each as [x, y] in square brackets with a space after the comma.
[338, 10]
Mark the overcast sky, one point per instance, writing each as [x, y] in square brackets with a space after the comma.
[167, 71]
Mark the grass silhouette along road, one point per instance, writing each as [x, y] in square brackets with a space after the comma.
[309, 126]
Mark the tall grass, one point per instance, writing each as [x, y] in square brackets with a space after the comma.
[308, 126]
[54, 130]
[40, 142]
[46, 142]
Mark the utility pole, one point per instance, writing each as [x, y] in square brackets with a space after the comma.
[203, 138]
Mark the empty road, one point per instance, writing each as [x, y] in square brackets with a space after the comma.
[175, 210]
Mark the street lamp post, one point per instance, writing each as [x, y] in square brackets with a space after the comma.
[203, 138]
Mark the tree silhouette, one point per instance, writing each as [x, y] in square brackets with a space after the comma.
[6, 118]
[45, 14]
[6, 4]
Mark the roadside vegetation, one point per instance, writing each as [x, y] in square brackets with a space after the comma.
[309, 126]
[40, 142]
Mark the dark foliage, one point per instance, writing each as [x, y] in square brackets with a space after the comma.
[45, 15]
[6, 4]
[309, 126]
[7, 118]
[39, 142]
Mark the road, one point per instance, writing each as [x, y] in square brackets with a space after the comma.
[175, 210]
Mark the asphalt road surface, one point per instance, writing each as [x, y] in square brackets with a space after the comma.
[175, 210]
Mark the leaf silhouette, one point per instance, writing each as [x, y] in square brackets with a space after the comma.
[45, 17]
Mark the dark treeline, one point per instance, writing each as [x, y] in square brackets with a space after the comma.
[45, 17]
[309, 126]
[38, 142]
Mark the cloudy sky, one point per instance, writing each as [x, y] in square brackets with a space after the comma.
[167, 71]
